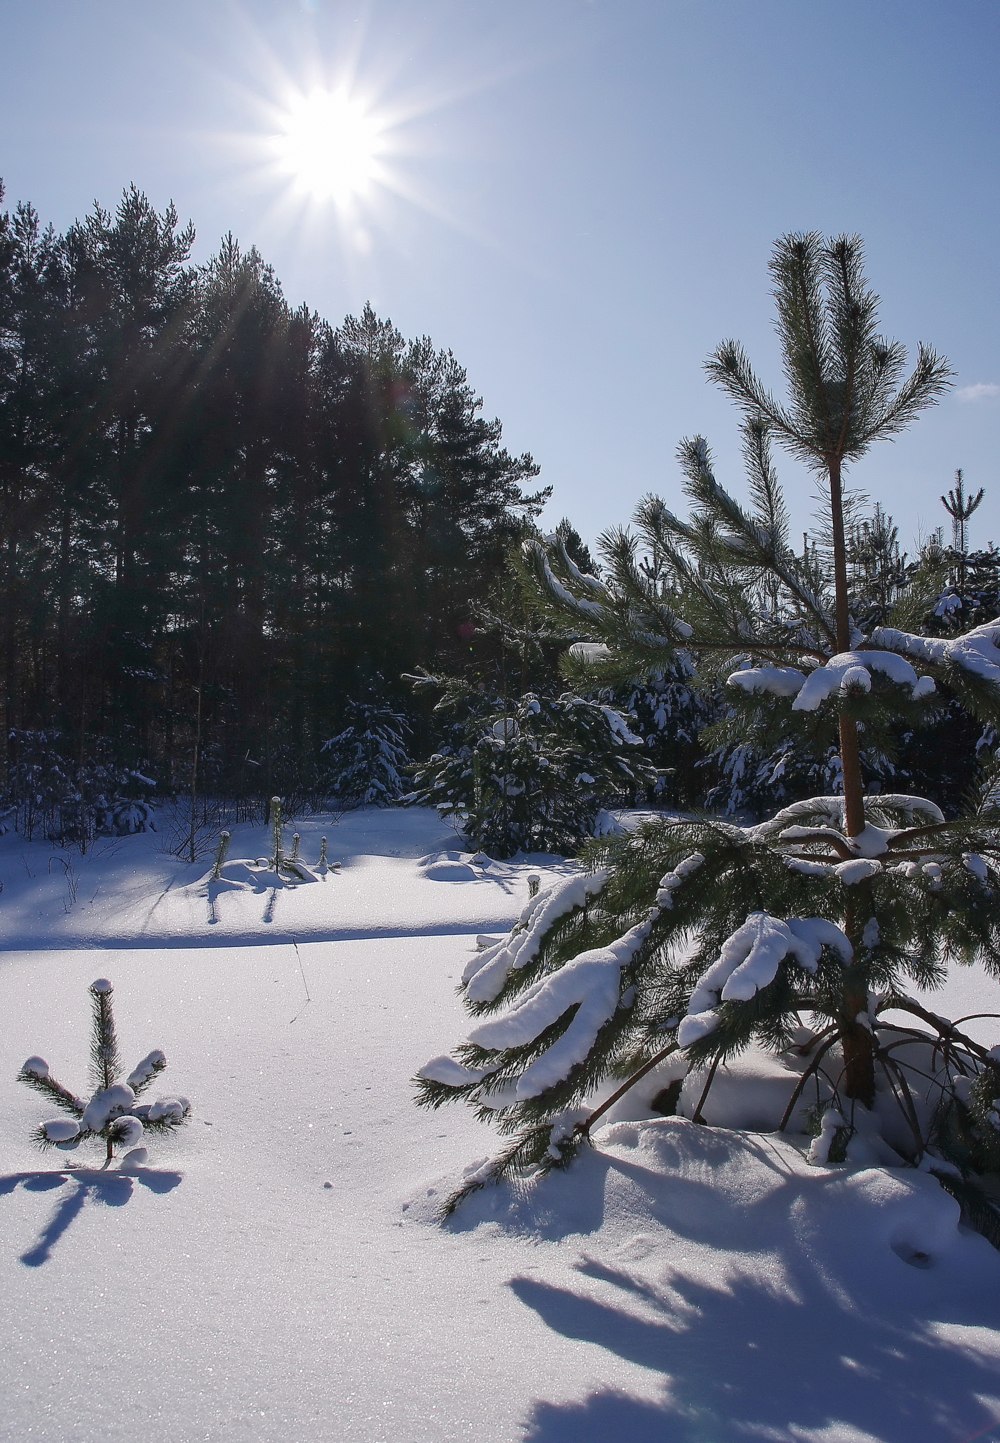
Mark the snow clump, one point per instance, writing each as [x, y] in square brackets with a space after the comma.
[486, 973]
[749, 960]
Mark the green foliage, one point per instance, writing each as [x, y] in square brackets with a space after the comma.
[366, 762]
[705, 937]
[531, 775]
[113, 1113]
[930, 907]
[219, 514]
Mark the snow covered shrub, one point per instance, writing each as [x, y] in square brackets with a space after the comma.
[533, 777]
[72, 800]
[669, 713]
[366, 762]
[113, 1113]
[702, 937]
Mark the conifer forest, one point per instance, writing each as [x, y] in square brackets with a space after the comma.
[228, 524]
[221, 518]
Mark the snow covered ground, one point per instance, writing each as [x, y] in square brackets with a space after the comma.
[276, 1271]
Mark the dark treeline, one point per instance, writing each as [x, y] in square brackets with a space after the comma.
[220, 517]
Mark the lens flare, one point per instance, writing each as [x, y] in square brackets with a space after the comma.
[330, 144]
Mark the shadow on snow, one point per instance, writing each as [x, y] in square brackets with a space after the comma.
[778, 1308]
[112, 1189]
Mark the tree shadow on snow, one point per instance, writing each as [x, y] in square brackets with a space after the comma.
[573, 1201]
[112, 1189]
[741, 1362]
[811, 1325]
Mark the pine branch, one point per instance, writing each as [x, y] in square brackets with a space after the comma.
[51, 1089]
[104, 1058]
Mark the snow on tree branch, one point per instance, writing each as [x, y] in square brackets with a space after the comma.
[976, 651]
[591, 982]
[749, 960]
[485, 974]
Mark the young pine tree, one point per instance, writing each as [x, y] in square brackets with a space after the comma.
[113, 1113]
[530, 773]
[701, 936]
[366, 762]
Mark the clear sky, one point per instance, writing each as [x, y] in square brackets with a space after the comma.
[578, 197]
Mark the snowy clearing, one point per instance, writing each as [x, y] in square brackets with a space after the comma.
[276, 1271]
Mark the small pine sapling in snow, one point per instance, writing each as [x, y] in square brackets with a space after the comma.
[292, 865]
[277, 844]
[221, 851]
[702, 937]
[113, 1113]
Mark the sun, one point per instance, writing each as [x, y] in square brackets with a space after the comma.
[330, 144]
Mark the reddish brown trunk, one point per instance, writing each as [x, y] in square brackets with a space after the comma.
[850, 761]
[850, 758]
[859, 1058]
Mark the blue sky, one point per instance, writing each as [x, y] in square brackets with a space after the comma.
[580, 195]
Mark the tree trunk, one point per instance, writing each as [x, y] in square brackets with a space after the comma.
[856, 1039]
[859, 1061]
[850, 761]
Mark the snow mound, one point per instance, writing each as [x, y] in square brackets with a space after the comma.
[741, 1198]
[448, 871]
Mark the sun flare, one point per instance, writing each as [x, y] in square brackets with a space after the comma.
[330, 144]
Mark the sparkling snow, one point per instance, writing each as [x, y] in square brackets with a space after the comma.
[272, 1270]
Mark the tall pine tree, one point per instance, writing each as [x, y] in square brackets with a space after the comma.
[701, 936]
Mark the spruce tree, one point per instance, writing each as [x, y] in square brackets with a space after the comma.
[365, 763]
[700, 936]
[530, 773]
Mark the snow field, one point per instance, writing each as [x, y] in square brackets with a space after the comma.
[275, 1271]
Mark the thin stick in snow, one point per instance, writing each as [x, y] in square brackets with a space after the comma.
[305, 984]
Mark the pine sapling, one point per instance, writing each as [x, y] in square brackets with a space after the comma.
[113, 1113]
[274, 822]
[221, 851]
[701, 937]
